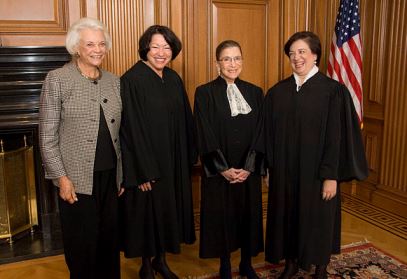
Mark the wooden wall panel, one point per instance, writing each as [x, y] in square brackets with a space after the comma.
[394, 160]
[373, 140]
[125, 32]
[37, 10]
[276, 58]
[245, 23]
[196, 46]
[374, 16]
[34, 23]
[177, 20]
[31, 16]
[191, 51]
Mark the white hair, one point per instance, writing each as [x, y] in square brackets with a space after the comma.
[74, 33]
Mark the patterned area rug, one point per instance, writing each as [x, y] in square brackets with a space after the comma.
[359, 260]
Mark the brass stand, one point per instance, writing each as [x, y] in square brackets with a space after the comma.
[18, 204]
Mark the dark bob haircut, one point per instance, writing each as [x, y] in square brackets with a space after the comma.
[169, 36]
[310, 38]
[226, 44]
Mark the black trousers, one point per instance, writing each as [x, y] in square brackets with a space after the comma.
[90, 230]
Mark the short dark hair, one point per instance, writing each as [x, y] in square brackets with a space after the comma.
[226, 44]
[167, 33]
[310, 38]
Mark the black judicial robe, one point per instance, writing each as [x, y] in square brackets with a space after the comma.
[157, 145]
[311, 135]
[231, 214]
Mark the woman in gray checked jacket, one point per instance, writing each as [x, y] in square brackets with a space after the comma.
[80, 114]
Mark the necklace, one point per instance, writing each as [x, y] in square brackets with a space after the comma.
[94, 80]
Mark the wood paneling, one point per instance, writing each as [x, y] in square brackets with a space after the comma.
[227, 24]
[31, 16]
[125, 32]
[394, 167]
[374, 16]
[40, 10]
[373, 140]
[275, 58]
[196, 46]
[33, 23]
[176, 18]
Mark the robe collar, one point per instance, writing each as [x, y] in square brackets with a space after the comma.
[141, 62]
[220, 81]
[310, 74]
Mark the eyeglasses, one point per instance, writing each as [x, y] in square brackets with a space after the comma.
[229, 60]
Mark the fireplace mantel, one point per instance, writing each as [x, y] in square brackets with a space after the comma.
[22, 72]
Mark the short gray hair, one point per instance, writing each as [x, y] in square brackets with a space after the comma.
[74, 32]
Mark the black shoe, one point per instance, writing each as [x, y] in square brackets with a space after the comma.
[225, 270]
[290, 269]
[248, 271]
[159, 265]
[320, 272]
[146, 272]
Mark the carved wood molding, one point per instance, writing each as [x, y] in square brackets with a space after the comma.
[57, 25]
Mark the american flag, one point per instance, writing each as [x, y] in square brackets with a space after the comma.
[345, 57]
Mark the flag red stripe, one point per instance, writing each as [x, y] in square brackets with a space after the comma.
[355, 51]
[329, 69]
[352, 79]
[336, 66]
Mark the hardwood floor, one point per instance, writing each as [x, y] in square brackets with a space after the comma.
[355, 228]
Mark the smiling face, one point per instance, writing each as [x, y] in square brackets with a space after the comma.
[159, 55]
[230, 63]
[301, 58]
[91, 48]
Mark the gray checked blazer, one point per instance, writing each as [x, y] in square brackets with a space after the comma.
[69, 124]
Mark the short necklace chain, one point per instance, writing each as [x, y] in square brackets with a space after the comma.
[87, 77]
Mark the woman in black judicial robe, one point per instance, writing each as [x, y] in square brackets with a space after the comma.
[313, 143]
[231, 204]
[157, 155]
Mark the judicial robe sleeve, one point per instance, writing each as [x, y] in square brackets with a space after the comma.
[139, 163]
[212, 158]
[266, 139]
[352, 157]
[331, 139]
[255, 160]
